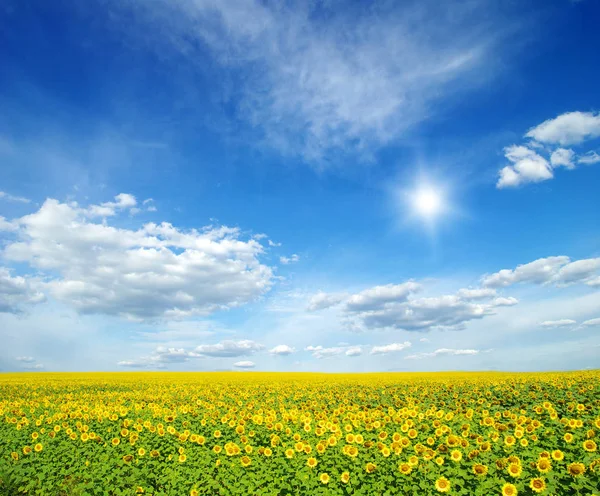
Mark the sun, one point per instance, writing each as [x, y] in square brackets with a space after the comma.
[427, 202]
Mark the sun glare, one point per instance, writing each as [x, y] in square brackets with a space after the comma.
[427, 202]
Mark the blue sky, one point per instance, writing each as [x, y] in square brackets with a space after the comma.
[306, 186]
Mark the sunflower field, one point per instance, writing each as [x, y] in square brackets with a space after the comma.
[180, 434]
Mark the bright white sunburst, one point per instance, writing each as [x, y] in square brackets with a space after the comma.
[427, 202]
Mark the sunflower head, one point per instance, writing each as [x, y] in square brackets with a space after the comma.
[324, 478]
[576, 469]
[509, 490]
[442, 485]
[537, 484]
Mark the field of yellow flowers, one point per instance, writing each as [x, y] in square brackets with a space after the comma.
[182, 434]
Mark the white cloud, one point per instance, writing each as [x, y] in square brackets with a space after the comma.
[379, 296]
[591, 323]
[390, 348]
[157, 271]
[527, 167]
[424, 340]
[273, 244]
[505, 302]
[552, 324]
[442, 351]
[351, 83]
[354, 351]
[18, 199]
[123, 201]
[229, 348]
[164, 355]
[288, 260]
[244, 364]
[589, 158]
[394, 306]
[17, 292]
[282, 349]
[25, 359]
[570, 128]
[551, 270]
[6, 225]
[476, 294]
[563, 157]
[321, 352]
[321, 301]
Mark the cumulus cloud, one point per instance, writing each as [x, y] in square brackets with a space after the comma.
[229, 348]
[245, 364]
[442, 351]
[164, 355]
[288, 260]
[354, 351]
[17, 292]
[282, 349]
[589, 158]
[7, 226]
[390, 348]
[555, 324]
[379, 296]
[570, 128]
[563, 157]
[352, 83]
[557, 270]
[321, 352]
[321, 301]
[396, 306]
[527, 167]
[156, 271]
[476, 294]
[505, 302]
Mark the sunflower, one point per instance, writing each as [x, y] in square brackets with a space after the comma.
[38, 447]
[370, 467]
[345, 477]
[509, 490]
[442, 485]
[268, 452]
[154, 454]
[568, 437]
[544, 465]
[141, 452]
[26, 450]
[324, 478]
[245, 461]
[557, 455]
[14, 455]
[456, 455]
[576, 469]
[182, 458]
[405, 468]
[194, 492]
[128, 458]
[116, 441]
[589, 446]
[537, 484]
[480, 470]
[311, 462]
[289, 453]
[514, 470]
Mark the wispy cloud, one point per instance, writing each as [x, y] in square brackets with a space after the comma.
[343, 84]
[12, 198]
